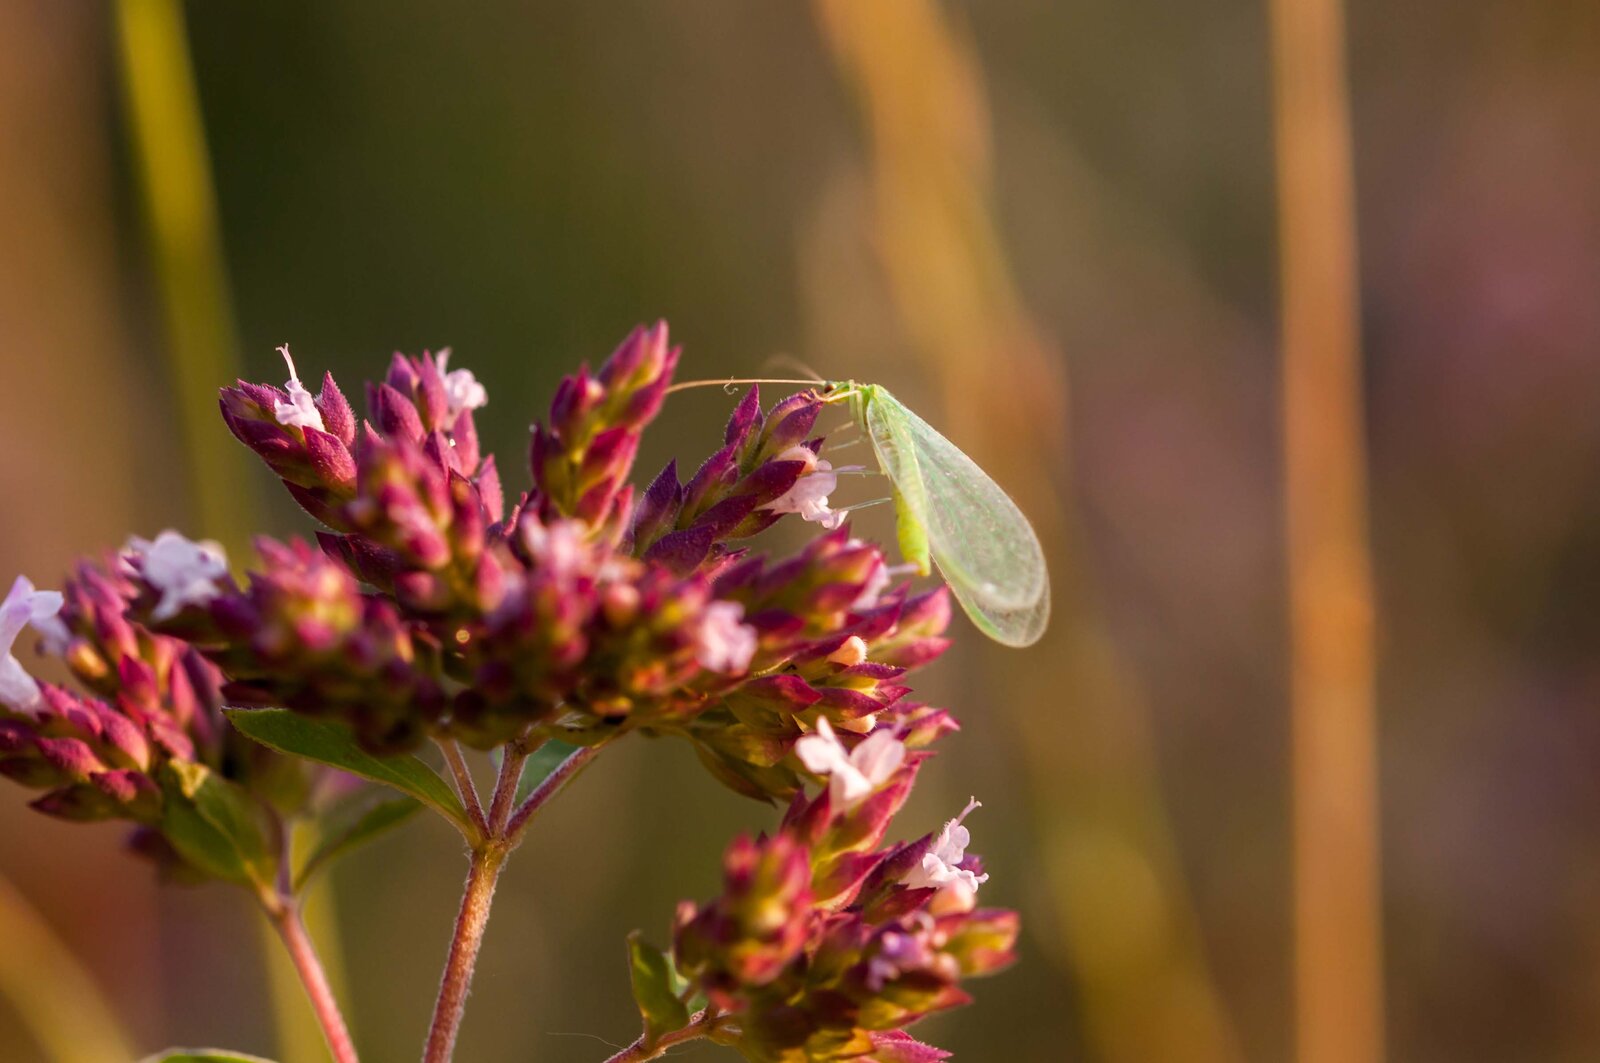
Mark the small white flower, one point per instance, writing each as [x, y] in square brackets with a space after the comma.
[940, 868]
[23, 606]
[461, 389]
[853, 775]
[301, 409]
[809, 495]
[900, 952]
[54, 638]
[558, 547]
[724, 642]
[184, 571]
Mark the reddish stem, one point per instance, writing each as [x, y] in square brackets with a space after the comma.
[465, 787]
[505, 787]
[464, 944]
[700, 1025]
[551, 785]
[504, 823]
[285, 916]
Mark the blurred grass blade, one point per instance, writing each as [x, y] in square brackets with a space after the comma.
[50, 993]
[162, 112]
[202, 1055]
[1127, 928]
[1337, 909]
[164, 124]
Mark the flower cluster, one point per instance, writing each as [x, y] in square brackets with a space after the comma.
[576, 612]
[582, 455]
[409, 498]
[150, 702]
[834, 644]
[601, 638]
[823, 946]
[428, 608]
[303, 636]
[742, 489]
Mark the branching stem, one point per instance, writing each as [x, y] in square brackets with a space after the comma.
[505, 787]
[502, 828]
[552, 784]
[465, 787]
[702, 1024]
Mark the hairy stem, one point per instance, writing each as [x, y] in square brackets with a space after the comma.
[488, 857]
[553, 784]
[699, 1026]
[465, 787]
[501, 828]
[285, 916]
[464, 944]
[505, 788]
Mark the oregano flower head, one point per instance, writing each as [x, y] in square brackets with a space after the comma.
[431, 610]
[147, 722]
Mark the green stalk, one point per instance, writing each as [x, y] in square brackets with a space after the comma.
[162, 110]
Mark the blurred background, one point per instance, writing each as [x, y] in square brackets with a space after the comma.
[1051, 227]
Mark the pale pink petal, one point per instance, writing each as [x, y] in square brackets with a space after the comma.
[723, 642]
[809, 495]
[879, 757]
[821, 752]
[185, 572]
[461, 389]
[18, 690]
[301, 409]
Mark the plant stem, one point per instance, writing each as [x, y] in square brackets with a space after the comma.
[488, 857]
[700, 1025]
[501, 829]
[465, 787]
[470, 924]
[285, 916]
[1337, 880]
[553, 783]
[505, 788]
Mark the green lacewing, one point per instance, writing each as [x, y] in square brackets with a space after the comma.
[948, 510]
[949, 513]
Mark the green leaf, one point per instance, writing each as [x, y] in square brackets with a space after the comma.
[332, 744]
[680, 987]
[653, 990]
[216, 824]
[546, 759]
[351, 822]
[202, 1055]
